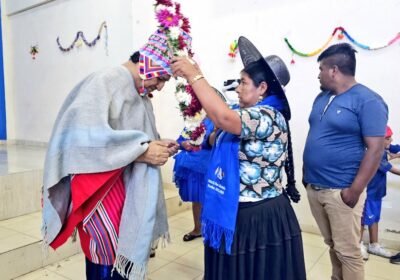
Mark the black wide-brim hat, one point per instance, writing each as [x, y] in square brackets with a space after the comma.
[273, 65]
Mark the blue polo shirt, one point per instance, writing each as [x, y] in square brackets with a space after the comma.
[335, 146]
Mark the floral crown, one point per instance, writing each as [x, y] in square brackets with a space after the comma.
[176, 28]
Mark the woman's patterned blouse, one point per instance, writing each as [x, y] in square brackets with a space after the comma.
[262, 152]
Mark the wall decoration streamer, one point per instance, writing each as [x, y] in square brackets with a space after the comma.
[341, 34]
[34, 50]
[80, 39]
[233, 49]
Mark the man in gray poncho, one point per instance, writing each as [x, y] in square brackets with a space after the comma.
[102, 173]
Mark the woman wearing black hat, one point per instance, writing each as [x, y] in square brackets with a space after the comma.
[250, 229]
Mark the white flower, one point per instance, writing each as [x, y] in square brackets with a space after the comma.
[174, 32]
[183, 97]
[191, 124]
[160, 7]
[182, 52]
[180, 80]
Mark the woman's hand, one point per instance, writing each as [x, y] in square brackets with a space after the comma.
[185, 67]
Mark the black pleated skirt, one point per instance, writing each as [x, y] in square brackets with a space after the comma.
[267, 245]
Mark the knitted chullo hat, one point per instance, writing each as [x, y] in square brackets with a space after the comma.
[156, 54]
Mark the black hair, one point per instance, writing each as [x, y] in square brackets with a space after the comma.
[257, 74]
[342, 55]
[135, 57]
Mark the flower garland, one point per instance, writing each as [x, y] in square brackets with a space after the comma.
[80, 39]
[343, 33]
[177, 28]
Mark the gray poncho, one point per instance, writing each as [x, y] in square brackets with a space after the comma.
[103, 125]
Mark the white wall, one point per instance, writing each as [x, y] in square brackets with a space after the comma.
[35, 89]
[307, 24]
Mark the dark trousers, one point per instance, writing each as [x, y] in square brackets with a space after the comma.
[101, 272]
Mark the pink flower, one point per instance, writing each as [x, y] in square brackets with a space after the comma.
[186, 25]
[182, 43]
[167, 3]
[167, 19]
[178, 9]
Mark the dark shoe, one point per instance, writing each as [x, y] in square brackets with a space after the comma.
[395, 259]
[152, 253]
[189, 237]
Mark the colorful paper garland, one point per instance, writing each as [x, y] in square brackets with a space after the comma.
[233, 49]
[341, 35]
[34, 51]
[80, 39]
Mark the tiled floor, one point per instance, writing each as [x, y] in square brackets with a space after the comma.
[183, 261]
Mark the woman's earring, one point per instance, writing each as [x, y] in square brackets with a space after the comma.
[260, 98]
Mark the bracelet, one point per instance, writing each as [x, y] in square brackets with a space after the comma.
[196, 78]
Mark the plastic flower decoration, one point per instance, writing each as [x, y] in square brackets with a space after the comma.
[177, 30]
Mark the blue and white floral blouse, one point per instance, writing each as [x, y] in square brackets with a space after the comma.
[262, 153]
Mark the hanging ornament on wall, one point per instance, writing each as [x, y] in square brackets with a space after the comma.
[342, 33]
[80, 40]
[233, 49]
[34, 51]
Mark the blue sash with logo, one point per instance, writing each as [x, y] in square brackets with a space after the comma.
[222, 187]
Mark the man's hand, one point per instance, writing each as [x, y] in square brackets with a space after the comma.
[156, 154]
[172, 145]
[349, 197]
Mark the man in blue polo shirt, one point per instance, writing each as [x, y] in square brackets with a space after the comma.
[343, 149]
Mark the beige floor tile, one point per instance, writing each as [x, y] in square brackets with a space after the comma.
[182, 223]
[312, 254]
[71, 267]
[37, 214]
[320, 272]
[5, 233]
[185, 214]
[21, 260]
[177, 233]
[175, 271]
[378, 258]
[35, 232]
[195, 243]
[375, 267]
[368, 277]
[23, 224]
[41, 274]
[309, 266]
[386, 270]
[17, 220]
[172, 251]
[15, 241]
[156, 263]
[194, 259]
[313, 240]
[325, 259]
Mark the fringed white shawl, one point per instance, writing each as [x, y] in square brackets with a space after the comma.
[103, 125]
